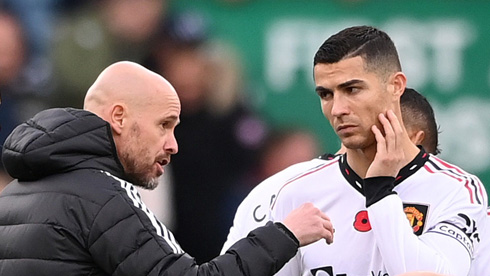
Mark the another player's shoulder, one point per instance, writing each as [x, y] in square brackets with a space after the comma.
[306, 173]
[302, 169]
[274, 183]
[315, 165]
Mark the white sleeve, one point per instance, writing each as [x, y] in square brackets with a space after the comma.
[445, 248]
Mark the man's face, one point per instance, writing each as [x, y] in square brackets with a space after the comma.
[149, 142]
[351, 99]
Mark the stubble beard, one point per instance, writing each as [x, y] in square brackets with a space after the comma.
[140, 179]
[138, 172]
[358, 143]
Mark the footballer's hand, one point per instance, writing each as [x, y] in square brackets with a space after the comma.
[389, 151]
[309, 224]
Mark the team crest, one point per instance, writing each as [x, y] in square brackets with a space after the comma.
[416, 215]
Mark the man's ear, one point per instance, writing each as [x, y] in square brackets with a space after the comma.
[399, 83]
[417, 137]
[117, 118]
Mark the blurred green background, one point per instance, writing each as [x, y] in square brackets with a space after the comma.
[443, 46]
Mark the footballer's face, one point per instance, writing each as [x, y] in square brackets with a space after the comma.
[351, 99]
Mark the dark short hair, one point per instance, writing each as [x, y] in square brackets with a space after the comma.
[417, 113]
[373, 45]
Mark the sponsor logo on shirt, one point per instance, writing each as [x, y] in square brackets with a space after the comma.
[257, 217]
[329, 271]
[325, 271]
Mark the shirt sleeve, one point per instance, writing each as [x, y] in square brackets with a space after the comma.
[446, 248]
[126, 239]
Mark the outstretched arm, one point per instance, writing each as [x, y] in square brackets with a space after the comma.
[126, 239]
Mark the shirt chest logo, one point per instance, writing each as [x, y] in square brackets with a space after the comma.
[416, 215]
[361, 221]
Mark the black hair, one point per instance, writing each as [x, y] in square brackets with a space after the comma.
[418, 113]
[373, 45]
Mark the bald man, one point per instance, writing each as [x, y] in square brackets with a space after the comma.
[74, 210]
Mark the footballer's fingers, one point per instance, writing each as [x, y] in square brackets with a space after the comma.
[380, 140]
[389, 134]
[396, 125]
[389, 152]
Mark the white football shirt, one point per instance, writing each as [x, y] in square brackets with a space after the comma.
[429, 224]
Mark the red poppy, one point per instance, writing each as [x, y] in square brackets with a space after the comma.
[361, 223]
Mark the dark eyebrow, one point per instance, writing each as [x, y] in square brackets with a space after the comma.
[349, 83]
[319, 89]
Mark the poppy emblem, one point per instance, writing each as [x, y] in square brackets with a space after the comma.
[361, 222]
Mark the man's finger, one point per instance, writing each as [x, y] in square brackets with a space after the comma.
[396, 125]
[389, 136]
[380, 140]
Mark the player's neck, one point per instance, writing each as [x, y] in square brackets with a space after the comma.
[360, 159]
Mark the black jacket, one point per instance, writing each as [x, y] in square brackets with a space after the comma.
[71, 211]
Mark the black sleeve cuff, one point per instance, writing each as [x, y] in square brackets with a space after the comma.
[286, 231]
[376, 188]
